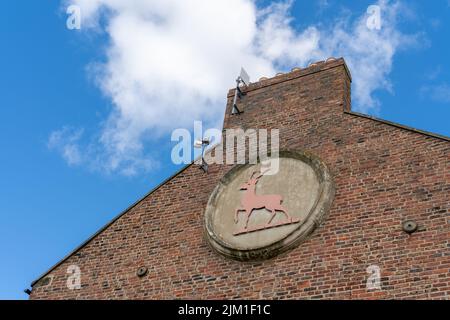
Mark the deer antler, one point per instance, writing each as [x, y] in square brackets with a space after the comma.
[261, 173]
[253, 174]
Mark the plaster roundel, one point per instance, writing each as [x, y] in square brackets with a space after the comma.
[251, 215]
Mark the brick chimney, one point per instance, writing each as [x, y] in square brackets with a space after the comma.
[313, 95]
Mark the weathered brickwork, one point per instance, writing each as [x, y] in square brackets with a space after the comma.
[383, 174]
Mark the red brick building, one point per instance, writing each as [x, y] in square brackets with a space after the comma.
[383, 173]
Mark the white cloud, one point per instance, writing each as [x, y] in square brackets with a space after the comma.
[439, 93]
[369, 53]
[322, 5]
[279, 44]
[66, 141]
[170, 62]
[434, 73]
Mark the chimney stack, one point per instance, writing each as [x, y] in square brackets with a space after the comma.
[317, 93]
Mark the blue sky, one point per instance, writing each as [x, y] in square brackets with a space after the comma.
[81, 141]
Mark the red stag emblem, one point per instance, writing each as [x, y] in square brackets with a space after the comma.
[251, 201]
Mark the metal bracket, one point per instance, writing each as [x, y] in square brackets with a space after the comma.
[204, 166]
[409, 226]
[142, 271]
[238, 93]
[202, 144]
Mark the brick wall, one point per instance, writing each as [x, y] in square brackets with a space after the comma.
[384, 175]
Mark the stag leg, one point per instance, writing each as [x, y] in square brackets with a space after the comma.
[236, 215]
[288, 217]
[248, 218]
[273, 216]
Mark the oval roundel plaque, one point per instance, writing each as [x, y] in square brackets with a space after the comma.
[251, 215]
